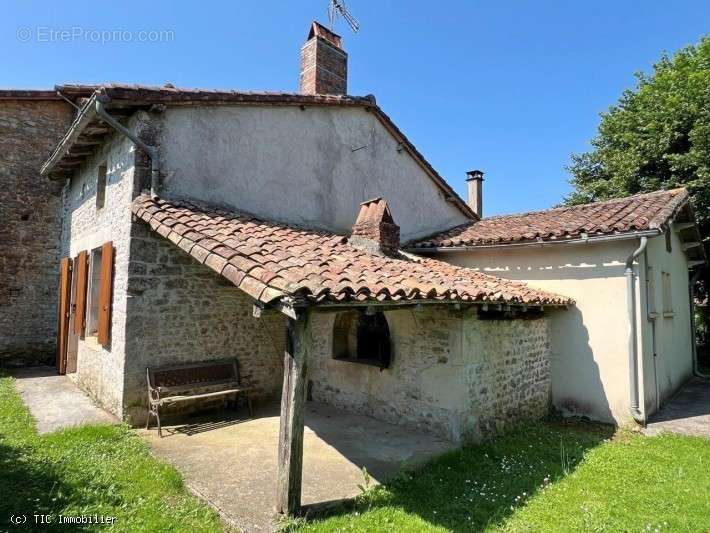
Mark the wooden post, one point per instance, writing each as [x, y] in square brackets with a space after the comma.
[293, 400]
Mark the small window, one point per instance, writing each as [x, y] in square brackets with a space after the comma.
[92, 319]
[101, 186]
[667, 294]
[362, 337]
[669, 242]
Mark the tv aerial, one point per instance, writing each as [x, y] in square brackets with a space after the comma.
[336, 9]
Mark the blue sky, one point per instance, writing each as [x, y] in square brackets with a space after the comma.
[511, 88]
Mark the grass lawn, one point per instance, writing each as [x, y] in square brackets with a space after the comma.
[545, 477]
[104, 470]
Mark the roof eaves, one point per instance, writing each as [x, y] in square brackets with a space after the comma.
[86, 115]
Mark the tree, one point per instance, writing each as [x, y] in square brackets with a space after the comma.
[656, 137]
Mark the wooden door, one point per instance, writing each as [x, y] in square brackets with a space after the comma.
[72, 338]
[63, 318]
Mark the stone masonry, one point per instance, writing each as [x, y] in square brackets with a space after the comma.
[452, 373]
[179, 311]
[30, 127]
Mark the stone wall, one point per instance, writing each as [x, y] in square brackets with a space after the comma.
[100, 369]
[452, 373]
[180, 311]
[29, 210]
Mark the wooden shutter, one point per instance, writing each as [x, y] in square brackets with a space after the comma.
[63, 326]
[81, 266]
[105, 293]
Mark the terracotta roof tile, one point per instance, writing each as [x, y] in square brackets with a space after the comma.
[633, 213]
[269, 260]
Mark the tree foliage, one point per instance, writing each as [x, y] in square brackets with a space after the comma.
[656, 137]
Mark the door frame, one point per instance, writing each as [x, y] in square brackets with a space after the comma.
[65, 283]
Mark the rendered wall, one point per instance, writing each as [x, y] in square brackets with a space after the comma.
[590, 374]
[589, 340]
[673, 363]
[30, 208]
[451, 373]
[311, 167]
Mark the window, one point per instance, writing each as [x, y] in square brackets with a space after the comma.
[362, 337]
[101, 186]
[92, 318]
[667, 294]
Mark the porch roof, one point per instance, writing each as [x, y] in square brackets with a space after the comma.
[271, 260]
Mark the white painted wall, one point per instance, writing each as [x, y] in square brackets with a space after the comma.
[674, 360]
[298, 166]
[590, 340]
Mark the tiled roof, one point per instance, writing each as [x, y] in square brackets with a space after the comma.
[270, 260]
[633, 213]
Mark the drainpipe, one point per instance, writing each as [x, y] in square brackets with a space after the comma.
[693, 343]
[152, 151]
[633, 341]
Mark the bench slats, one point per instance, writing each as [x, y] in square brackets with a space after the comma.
[178, 383]
[173, 399]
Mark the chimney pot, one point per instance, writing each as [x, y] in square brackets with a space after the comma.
[375, 229]
[324, 63]
[474, 179]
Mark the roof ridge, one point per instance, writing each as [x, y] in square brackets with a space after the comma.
[610, 201]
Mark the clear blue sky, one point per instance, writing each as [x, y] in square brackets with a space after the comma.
[511, 88]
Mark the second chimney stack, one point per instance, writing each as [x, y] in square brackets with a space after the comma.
[474, 180]
[324, 63]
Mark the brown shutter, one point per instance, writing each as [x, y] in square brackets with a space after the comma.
[105, 293]
[63, 326]
[81, 265]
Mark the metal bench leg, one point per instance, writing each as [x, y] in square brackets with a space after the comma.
[147, 421]
[249, 405]
[157, 416]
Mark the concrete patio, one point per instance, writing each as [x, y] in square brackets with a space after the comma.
[55, 401]
[230, 460]
[688, 412]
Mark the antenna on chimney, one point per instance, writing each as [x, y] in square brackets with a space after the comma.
[337, 7]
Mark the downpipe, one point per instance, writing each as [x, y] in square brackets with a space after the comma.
[152, 151]
[634, 410]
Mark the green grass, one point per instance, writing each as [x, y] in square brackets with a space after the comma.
[103, 470]
[545, 477]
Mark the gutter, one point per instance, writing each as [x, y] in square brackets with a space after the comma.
[634, 410]
[537, 244]
[152, 151]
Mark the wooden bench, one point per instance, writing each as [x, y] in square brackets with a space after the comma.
[168, 385]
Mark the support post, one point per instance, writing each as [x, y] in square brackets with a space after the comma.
[293, 400]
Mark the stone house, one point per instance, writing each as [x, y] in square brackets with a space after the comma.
[295, 232]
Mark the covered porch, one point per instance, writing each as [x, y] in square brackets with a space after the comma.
[230, 460]
[368, 329]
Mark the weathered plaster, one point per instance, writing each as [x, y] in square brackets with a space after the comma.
[311, 167]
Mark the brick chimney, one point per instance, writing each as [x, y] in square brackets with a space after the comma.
[474, 180]
[374, 229]
[324, 64]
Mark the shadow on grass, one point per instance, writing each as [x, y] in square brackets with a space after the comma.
[30, 487]
[481, 485]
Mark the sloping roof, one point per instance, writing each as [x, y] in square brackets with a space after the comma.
[121, 99]
[622, 215]
[270, 260]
